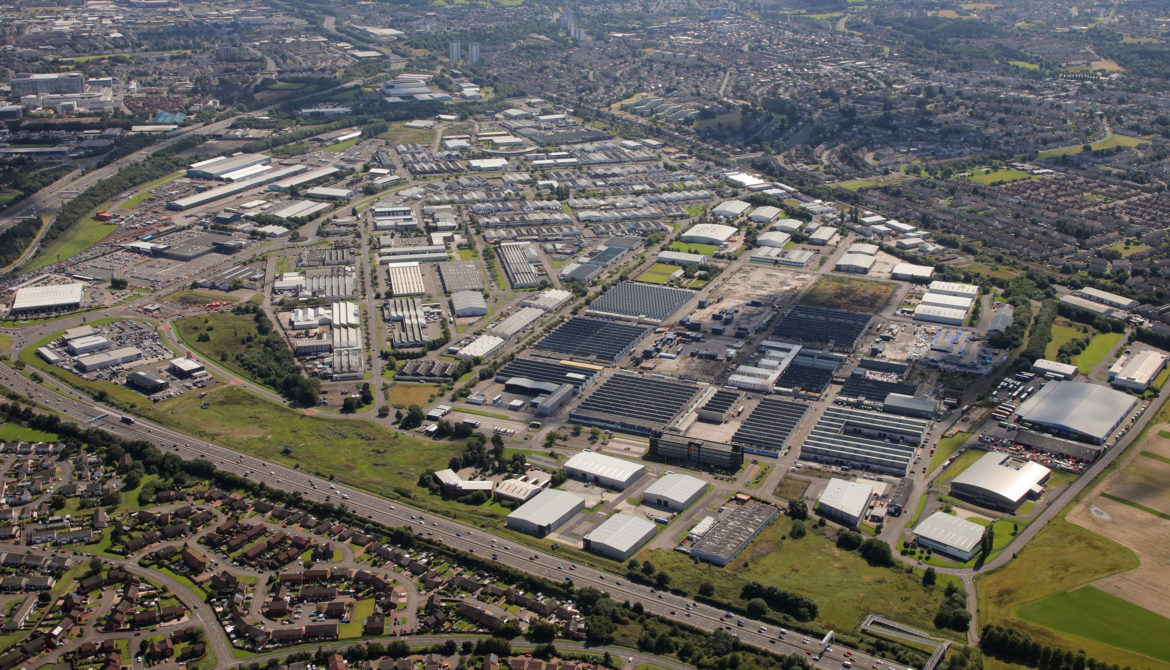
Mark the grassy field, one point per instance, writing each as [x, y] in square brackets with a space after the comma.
[1113, 621]
[1064, 331]
[145, 190]
[693, 248]
[1111, 142]
[342, 146]
[659, 274]
[76, 240]
[1127, 249]
[882, 180]
[1024, 64]
[468, 254]
[357, 452]
[402, 394]
[844, 586]
[228, 333]
[1061, 557]
[1098, 348]
[12, 431]
[398, 134]
[946, 447]
[197, 298]
[997, 176]
[860, 295]
[5, 342]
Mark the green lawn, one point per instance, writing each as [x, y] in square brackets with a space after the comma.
[946, 447]
[1061, 557]
[1099, 346]
[1113, 621]
[406, 393]
[1160, 380]
[1063, 331]
[145, 190]
[228, 335]
[866, 182]
[76, 240]
[363, 609]
[5, 342]
[342, 146]
[1128, 249]
[658, 274]
[693, 248]
[843, 585]
[357, 452]
[861, 295]
[12, 431]
[964, 461]
[468, 254]
[1024, 64]
[997, 176]
[1111, 142]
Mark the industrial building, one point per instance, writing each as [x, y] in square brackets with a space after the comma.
[1077, 410]
[1136, 371]
[674, 492]
[955, 288]
[216, 168]
[549, 300]
[824, 236]
[908, 405]
[520, 261]
[773, 238]
[837, 329]
[1073, 300]
[944, 315]
[728, 210]
[680, 258]
[643, 302]
[947, 300]
[54, 298]
[546, 512]
[674, 447]
[731, 532]
[461, 276]
[845, 502]
[303, 178]
[708, 233]
[466, 304]
[481, 347]
[1054, 369]
[47, 83]
[787, 225]
[1002, 318]
[410, 322]
[855, 263]
[764, 214]
[234, 188]
[405, 279]
[1000, 481]
[608, 471]
[951, 536]
[326, 193]
[147, 382]
[593, 339]
[1107, 298]
[108, 359]
[770, 424]
[864, 440]
[517, 322]
[633, 404]
[517, 490]
[910, 272]
[620, 536]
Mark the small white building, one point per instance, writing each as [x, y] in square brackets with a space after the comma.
[546, 512]
[855, 263]
[608, 471]
[955, 288]
[1054, 369]
[773, 238]
[787, 225]
[911, 272]
[944, 315]
[731, 209]
[764, 214]
[1138, 370]
[950, 535]
[620, 536]
[844, 501]
[824, 236]
[468, 304]
[674, 492]
[481, 347]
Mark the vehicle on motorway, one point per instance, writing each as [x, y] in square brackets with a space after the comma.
[127, 419]
[344, 496]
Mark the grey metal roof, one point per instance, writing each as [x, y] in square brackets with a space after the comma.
[847, 497]
[622, 532]
[548, 507]
[1077, 407]
[675, 487]
[950, 530]
[1002, 475]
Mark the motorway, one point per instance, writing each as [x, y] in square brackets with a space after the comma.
[457, 535]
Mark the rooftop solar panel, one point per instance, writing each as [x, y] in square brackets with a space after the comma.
[593, 339]
[771, 423]
[808, 324]
[634, 404]
[645, 302]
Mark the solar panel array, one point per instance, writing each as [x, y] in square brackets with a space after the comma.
[771, 423]
[809, 324]
[643, 399]
[807, 379]
[637, 300]
[549, 372]
[722, 400]
[873, 390]
[593, 339]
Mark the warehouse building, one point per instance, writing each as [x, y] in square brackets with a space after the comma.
[948, 301]
[634, 404]
[910, 272]
[1077, 410]
[620, 536]
[405, 279]
[515, 324]
[824, 236]
[481, 347]
[108, 359]
[731, 532]
[54, 298]
[234, 188]
[608, 471]
[87, 345]
[845, 502]
[642, 302]
[549, 300]
[1073, 300]
[520, 261]
[764, 214]
[1000, 481]
[949, 535]
[674, 492]
[787, 225]
[216, 168]
[147, 382]
[303, 178]
[1107, 298]
[773, 238]
[517, 490]
[864, 440]
[708, 233]
[466, 304]
[1002, 319]
[944, 315]
[908, 405]
[326, 193]
[461, 276]
[954, 288]
[680, 258]
[546, 512]
[1054, 369]
[729, 210]
[855, 263]
[1138, 370]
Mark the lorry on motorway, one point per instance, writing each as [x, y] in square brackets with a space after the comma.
[127, 419]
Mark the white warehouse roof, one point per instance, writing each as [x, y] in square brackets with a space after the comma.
[675, 488]
[764, 214]
[954, 288]
[1077, 407]
[593, 465]
[773, 238]
[942, 528]
[621, 534]
[1002, 477]
[46, 297]
[708, 233]
[845, 497]
[549, 508]
[731, 209]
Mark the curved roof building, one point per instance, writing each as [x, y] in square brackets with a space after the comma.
[1000, 481]
[1079, 410]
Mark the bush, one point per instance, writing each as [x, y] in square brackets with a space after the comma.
[849, 540]
[875, 552]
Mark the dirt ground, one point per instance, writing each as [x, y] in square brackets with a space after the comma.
[1144, 480]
